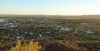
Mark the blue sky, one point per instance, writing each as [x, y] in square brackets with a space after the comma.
[50, 7]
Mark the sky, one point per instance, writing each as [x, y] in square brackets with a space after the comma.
[50, 7]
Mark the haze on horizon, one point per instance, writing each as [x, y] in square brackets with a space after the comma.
[50, 7]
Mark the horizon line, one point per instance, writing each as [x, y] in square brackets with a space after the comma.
[52, 14]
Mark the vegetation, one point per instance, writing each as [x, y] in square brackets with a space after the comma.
[72, 34]
[31, 46]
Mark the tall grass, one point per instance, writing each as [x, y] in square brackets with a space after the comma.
[31, 46]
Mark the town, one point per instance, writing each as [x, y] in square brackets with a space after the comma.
[41, 28]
